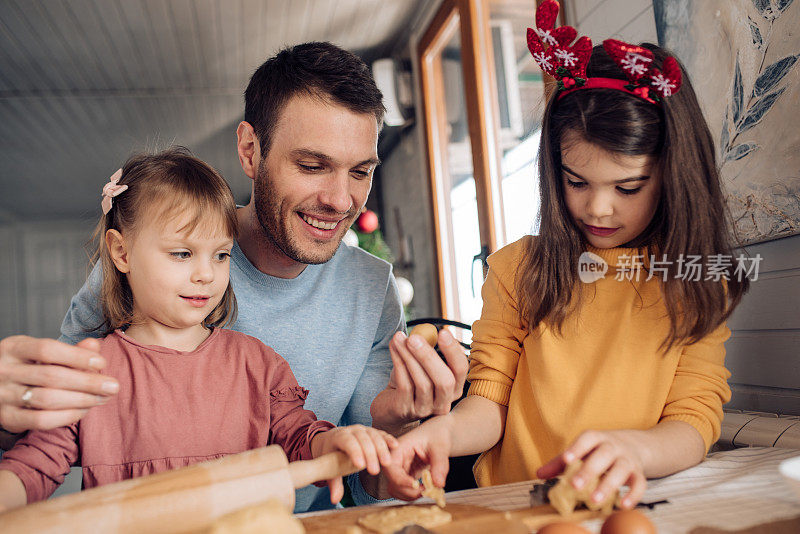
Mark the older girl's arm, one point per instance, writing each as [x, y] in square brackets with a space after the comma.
[475, 425]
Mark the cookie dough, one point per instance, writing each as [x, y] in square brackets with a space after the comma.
[437, 494]
[391, 520]
[428, 331]
[270, 517]
[565, 498]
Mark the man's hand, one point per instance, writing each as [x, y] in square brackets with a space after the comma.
[46, 384]
[421, 384]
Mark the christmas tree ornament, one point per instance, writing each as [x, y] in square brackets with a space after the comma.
[405, 289]
[367, 222]
[350, 238]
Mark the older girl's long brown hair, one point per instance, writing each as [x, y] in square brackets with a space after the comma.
[691, 218]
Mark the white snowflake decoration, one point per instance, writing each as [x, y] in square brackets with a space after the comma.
[543, 61]
[663, 84]
[568, 58]
[546, 37]
[635, 63]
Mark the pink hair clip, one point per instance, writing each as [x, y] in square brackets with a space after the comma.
[112, 189]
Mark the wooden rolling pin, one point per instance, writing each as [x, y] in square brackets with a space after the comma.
[182, 500]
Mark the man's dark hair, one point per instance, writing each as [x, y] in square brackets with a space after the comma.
[316, 69]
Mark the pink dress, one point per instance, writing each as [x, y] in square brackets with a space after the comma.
[174, 409]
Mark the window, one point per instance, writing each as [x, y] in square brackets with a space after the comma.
[482, 96]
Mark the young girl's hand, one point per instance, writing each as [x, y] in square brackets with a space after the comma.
[427, 445]
[610, 455]
[367, 448]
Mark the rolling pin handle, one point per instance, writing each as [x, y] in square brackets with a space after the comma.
[328, 466]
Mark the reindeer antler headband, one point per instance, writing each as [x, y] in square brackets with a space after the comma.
[553, 50]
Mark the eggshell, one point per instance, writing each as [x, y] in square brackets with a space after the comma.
[628, 522]
[428, 331]
[562, 527]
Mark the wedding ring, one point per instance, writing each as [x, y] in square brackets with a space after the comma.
[26, 397]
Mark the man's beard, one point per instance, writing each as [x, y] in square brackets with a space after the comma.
[268, 210]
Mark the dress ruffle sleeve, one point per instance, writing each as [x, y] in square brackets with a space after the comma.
[42, 460]
[291, 425]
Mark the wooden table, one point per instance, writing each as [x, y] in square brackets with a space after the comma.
[729, 490]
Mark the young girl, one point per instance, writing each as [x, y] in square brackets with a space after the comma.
[189, 390]
[620, 369]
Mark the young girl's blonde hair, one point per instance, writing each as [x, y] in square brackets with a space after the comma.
[162, 186]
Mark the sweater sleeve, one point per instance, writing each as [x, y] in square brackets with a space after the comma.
[84, 316]
[378, 367]
[42, 460]
[497, 336]
[700, 386]
[374, 378]
[291, 426]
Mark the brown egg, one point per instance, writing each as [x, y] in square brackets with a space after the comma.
[562, 527]
[427, 331]
[628, 522]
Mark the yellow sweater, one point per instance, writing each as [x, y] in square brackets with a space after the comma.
[604, 372]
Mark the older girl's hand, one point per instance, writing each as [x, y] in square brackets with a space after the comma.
[427, 446]
[612, 456]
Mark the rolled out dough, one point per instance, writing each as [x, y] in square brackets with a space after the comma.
[270, 517]
[391, 520]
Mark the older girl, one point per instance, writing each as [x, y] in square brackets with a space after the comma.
[596, 341]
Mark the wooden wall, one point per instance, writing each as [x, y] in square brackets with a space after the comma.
[764, 350]
[43, 265]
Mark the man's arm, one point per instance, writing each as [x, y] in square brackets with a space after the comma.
[474, 426]
[84, 318]
[366, 488]
[419, 382]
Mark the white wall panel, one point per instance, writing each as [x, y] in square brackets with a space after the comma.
[10, 308]
[628, 20]
[45, 267]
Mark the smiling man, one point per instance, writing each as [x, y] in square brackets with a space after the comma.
[309, 143]
[310, 185]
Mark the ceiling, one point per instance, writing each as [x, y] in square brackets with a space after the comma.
[83, 83]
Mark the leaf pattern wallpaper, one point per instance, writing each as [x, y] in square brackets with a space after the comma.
[742, 57]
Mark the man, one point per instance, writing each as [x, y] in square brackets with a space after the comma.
[309, 143]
